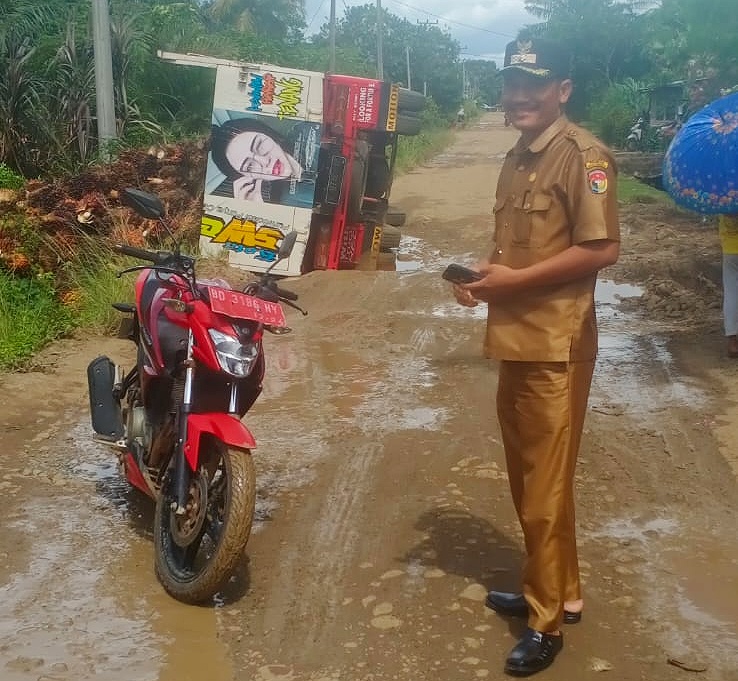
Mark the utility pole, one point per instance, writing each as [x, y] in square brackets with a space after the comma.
[106, 128]
[332, 39]
[463, 74]
[380, 31]
[407, 59]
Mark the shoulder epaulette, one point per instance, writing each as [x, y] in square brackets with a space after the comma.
[583, 139]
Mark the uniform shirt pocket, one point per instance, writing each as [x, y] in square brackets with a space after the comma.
[530, 212]
[500, 218]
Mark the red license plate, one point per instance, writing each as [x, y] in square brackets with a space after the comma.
[240, 306]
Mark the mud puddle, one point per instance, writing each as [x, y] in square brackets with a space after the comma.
[87, 605]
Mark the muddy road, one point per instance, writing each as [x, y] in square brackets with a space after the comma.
[383, 508]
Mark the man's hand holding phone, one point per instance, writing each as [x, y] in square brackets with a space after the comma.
[459, 275]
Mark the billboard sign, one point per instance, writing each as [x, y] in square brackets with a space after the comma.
[262, 164]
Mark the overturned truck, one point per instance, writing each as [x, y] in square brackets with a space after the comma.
[301, 151]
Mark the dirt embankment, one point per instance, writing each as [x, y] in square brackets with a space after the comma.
[45, 223]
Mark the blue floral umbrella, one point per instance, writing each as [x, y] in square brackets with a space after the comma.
[701, 163]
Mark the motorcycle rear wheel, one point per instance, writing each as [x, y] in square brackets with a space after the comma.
[197, 553]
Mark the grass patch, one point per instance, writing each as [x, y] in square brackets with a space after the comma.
[412, 151]
[435, 135]
[93, 283]
[30, 316]
[34, 313]
[632, 190]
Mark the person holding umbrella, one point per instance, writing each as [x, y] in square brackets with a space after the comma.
[728, 229]
[701, 174]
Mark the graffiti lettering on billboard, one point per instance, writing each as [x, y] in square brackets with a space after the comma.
[365, 110]
[261, 90]
[265, 90]
[290, 96]
[242, 236]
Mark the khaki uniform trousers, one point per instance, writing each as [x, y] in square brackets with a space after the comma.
[541, 408]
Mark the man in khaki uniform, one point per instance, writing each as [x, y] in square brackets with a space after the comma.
[556, 226]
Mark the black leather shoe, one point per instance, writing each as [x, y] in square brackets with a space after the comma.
[511, 604]
[533, 653]
[514, 605]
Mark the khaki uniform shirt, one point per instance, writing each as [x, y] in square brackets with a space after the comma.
[558, 192]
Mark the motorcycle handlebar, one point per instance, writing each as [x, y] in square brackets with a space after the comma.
[269, 291]
[139, 253]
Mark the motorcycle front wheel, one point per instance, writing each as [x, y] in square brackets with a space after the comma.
[198, 551]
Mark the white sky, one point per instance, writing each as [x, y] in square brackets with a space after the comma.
[482, 27]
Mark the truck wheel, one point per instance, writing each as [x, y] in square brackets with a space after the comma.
[390, 239]
[408, 124]
[409, 100]
[395, 218]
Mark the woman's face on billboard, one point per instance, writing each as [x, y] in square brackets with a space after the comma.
[259, 156]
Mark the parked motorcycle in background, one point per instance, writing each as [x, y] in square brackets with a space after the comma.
[635, 139]
[175, 417]
[644, 136]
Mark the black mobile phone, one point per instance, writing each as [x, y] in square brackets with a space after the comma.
[458, 274]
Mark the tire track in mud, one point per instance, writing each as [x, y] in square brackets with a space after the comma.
[318, 548]
[320, 568]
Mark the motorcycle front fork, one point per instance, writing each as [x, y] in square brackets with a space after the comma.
[181, 468]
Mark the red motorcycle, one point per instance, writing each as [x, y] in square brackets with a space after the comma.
[175, 417]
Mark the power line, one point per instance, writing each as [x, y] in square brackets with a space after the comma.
[320, 7]
[451, 21]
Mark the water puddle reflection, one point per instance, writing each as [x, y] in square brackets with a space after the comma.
[635, 367]
[704, 574]
[632, 529]
[608, 295]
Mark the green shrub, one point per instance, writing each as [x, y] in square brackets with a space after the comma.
[434, 136]
[93, 276]
[30, 317]
[613, 113]
[9, 179]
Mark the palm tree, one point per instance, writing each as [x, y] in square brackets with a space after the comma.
[277, 19]
[19, 83]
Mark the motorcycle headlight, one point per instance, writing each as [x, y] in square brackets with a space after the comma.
[235, 358]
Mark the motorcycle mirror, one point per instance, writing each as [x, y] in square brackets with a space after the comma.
[146, 205]
[288, 243]
[285, 248]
